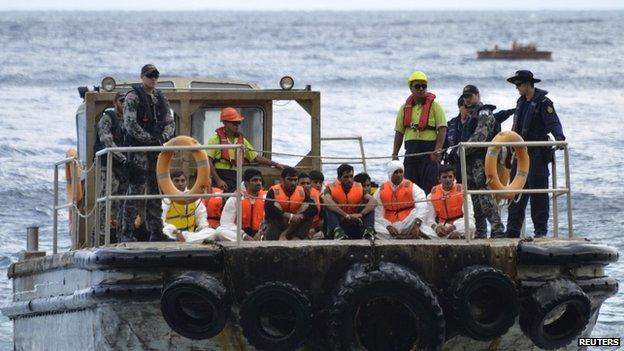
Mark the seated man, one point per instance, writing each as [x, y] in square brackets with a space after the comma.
[184, 222]
[252, 206]
[288, 210]
[402, 207]
[214, 206]
[350, 211]
[316, 179]
[223, 161]
[445, 210]
[306, 184]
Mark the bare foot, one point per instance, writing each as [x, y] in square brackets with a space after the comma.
[180, 237]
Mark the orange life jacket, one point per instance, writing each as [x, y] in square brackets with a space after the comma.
[316, 196]
[397, 203]
[225, 153]
[253, 213]
[292, 203]
[354, 197]
[424, 113]
[449, 206]
[214, 206]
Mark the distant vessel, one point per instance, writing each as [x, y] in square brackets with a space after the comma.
[518, 52]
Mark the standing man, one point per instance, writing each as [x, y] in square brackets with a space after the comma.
[445, 208]
[223, 161]
[149, 122]
[534, 119]
[481, 126]
[422, 124]
[402, 206]
[109, 132]
[350, 210]
[453, 136]
[287, 209]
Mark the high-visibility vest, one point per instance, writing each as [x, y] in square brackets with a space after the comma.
[316, 196]
[292, 203]
[182, 216]
[354, 197]
[397, 203]
[449, 206]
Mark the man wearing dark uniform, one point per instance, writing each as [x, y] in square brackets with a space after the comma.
[148, 122]
[534, 119]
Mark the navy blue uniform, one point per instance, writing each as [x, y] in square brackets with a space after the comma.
[534, 120]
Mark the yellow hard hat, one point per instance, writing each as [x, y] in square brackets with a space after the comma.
[417, 75]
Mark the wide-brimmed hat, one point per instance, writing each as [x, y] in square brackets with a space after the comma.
[523, 76]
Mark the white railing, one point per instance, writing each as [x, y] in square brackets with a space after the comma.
[555, 190]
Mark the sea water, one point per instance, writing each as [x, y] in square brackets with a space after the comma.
[359, 61]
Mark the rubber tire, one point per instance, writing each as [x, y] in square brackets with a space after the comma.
[546, 298]
[289, 295]
[202, 286]
[465, 283]
[359, 286]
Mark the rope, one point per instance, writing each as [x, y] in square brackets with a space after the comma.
[355, 158]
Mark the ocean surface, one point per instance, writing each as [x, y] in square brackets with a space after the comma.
[358, 60]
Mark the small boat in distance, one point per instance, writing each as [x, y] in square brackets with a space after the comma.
[518, 52]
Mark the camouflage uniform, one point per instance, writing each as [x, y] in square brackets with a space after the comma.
[481, 127]
[110, 134]
[148, 122]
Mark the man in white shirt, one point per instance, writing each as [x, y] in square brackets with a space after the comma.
[185, 222]
[445, 208]
[253, 210]
[401, 206]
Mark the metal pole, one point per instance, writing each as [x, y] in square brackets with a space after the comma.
[555, 208]
[239, 203]
[566, 165]
[32, 239]
[75, 210]
[462, 155]
[98, 179]
[109, 184]
[362, 152]
[55, 218]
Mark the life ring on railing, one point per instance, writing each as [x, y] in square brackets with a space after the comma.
[388, 308]
[202, 180]
[491, 165]
[69, 178]
[484, 301]
[195, 305]
[276, 316]
[555, 314]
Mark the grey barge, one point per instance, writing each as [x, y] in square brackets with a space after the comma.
[503, 294]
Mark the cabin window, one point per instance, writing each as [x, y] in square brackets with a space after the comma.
[206, 120]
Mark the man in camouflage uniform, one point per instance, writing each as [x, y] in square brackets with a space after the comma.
[480, 127]
[110, 133]
[148, 122]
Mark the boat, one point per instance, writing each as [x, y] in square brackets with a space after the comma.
[503, 294]
[517, 52]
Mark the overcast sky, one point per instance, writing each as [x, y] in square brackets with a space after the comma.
[164, 5]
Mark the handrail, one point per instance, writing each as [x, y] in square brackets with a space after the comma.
[555, 190]
[359, 139]
[73, 204]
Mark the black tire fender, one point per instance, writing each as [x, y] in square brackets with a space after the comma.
[555, 314]
[195, 305]
[282, 305]
[484, 302]
[411, 315]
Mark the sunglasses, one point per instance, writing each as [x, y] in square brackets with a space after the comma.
[152, 75]
[419, 86]
[235, 123]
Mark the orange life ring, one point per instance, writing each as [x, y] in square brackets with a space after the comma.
[69, 178]
[491, 165]
[164, 163]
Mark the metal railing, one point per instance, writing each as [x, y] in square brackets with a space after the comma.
[359, 139]
[555, 190]
[72, 205]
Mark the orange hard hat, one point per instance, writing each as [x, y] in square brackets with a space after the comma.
[230, 114]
